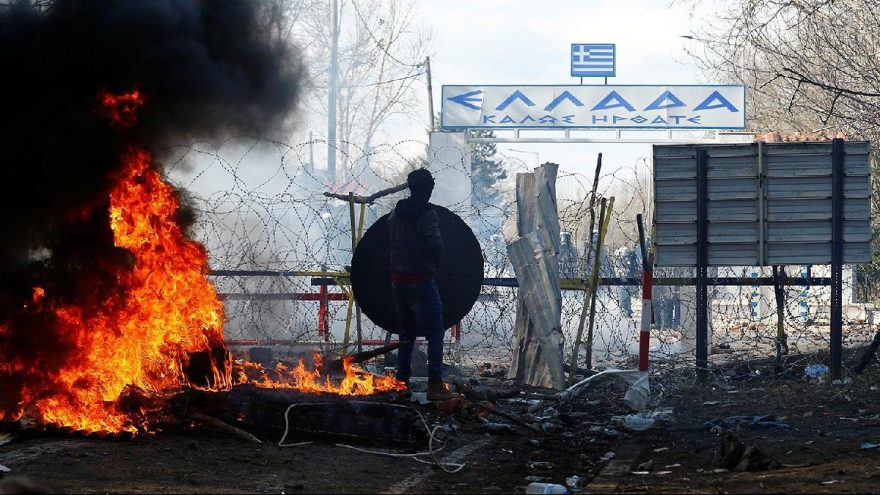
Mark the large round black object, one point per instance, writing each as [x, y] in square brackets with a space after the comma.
[459, 278]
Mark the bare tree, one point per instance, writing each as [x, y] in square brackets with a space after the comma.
[809, 65]
[382, 49]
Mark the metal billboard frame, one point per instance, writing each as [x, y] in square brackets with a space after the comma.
[702, 264]
[702, 281]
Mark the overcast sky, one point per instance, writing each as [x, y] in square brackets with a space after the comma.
[528, 42]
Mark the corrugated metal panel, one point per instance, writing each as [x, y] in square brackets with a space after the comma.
[814, 253]
[676, 190]
[719, 255]
[720, 189]
[817, 231]
[738, 210]
[815, 187]
[816, 209]
[719, 233]
[797, 206]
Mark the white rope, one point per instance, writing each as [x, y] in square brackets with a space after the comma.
[286, 428]
[449, 467]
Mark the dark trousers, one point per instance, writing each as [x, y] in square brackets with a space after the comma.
[421, 314]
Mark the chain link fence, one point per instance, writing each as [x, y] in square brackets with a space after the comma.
[260, 206]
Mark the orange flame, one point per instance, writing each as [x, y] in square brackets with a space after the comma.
[39, 292]
[148, 334]
[145, 334]
[169, 312]
[355, 382]
[120, 110]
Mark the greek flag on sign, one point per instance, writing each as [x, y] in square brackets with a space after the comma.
[592, 60]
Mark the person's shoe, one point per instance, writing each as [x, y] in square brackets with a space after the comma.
[438, 392]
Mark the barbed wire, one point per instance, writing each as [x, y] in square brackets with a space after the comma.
[261, 206]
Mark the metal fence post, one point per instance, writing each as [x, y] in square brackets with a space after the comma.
[837, 178]
[647, 284]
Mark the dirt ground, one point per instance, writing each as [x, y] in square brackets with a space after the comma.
[819, 448]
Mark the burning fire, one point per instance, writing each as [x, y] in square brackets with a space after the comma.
[355, 382]
[161, 331]
[170, 312]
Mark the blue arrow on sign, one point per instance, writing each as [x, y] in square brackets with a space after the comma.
[466, 99]
[510, 99]
[565, 95]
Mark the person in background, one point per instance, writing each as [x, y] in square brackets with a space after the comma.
[568, 256]
[629, 268]
[416, 245]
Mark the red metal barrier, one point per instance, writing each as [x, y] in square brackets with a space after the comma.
[455, 332]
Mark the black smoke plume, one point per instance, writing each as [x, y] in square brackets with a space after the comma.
[205, 68]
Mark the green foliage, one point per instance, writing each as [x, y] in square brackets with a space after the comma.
[487, 170]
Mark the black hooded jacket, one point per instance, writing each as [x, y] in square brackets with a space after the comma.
[415, 237]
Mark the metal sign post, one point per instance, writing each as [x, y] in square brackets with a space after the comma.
[702, 265]
[837, 161]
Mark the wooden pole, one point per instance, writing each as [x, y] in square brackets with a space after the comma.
[224, 427]
[583, 318]
[604, 217]
[368, 199]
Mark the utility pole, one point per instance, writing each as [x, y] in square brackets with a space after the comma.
[331, 94]
[430, 95]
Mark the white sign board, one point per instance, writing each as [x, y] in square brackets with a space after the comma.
[594, 107]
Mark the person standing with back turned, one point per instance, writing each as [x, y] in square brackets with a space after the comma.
[415, 257]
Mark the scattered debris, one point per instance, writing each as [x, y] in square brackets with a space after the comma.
[869, 445]
[6, 438]
[537, 479]
[719, 426]
[607, 456]
[451, 405]
[486, 369]
[733, 454]
[646, 466]
[636, 397]
[816, 370]
[224, 427]
[540, 465]
[488, 407]
[605, 432]
[574, 481]
[4, 469]
[497, 428]
[634, 422]
[545, 488]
